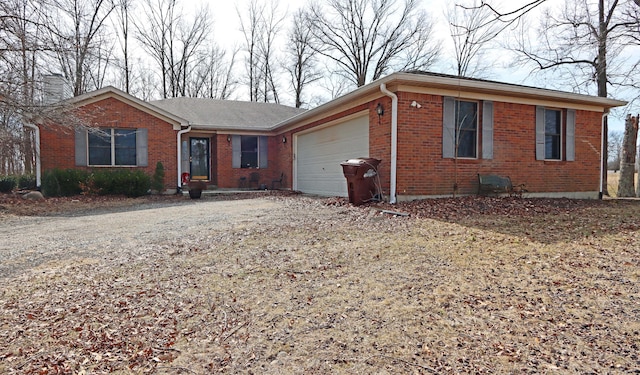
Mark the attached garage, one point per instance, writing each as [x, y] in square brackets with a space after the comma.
[320, 152]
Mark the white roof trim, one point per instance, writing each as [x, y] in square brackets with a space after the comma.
[110, 91]
[459, 84]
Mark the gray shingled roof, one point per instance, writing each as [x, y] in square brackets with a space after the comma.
[217, 114]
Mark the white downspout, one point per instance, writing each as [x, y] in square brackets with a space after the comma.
[394, 141]
[602, 148]
[180, 133]
[38, 166]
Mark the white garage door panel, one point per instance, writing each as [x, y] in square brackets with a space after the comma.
[320, 153]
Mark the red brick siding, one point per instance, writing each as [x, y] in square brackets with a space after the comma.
[421, 169]
[58, 142]
[284, 156]
[229, 177]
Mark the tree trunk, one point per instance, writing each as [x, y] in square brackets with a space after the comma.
[628, 160]
[602, 80]
[638, 171]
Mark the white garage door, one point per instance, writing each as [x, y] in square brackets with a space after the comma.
[319, 154]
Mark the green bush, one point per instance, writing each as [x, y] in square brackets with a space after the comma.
[129, 182]
[27, 181]
[7, 184]
[158, 178]
[63, 182]
[67, 182]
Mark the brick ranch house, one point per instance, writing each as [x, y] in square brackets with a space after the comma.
[549, 140]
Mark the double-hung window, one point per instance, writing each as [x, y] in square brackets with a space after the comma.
[466, 131]
[111, 147]
[463, 132]
[555, 137]
[552, 134]
[249, 151]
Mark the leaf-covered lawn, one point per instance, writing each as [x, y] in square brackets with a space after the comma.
[472, 285]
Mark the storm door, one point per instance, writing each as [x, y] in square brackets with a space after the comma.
[199, 158]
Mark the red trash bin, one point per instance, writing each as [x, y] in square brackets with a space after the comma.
[361, 179]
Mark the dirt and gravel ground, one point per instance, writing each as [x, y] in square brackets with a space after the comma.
[278, 284]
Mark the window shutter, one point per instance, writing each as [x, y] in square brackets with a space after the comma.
[263, 146]
[487, 130]
[142, 148]
[571, 134]
[81, 147]
[540, 134]
[236, 151]
[448, 127]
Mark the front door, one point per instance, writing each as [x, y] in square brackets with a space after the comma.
[199, 158]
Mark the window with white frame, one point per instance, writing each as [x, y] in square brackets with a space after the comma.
[112, 147]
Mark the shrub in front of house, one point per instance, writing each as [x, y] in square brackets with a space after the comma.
[157, 183]
[27, 181]
[7, 184]
[63, 182]
[129, 182]
[68, 182]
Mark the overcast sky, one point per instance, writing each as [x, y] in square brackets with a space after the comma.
[228, 35]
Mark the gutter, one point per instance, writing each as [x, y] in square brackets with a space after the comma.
[431, 82]
[38, 165]
[603, 137]
[394, 141]
[179, 142]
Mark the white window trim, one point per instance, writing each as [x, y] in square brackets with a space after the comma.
[113, 151]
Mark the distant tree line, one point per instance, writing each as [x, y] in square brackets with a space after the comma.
[159, 49]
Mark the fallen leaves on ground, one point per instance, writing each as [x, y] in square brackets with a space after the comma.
[465, 285]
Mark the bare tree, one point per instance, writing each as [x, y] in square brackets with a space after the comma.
[628, 158]
[336, 86]
[273, 20]
[213, 76]
[505, 18]
[614, 149]
[581, 39]
[471, 33]
[260, 27]
[580, 44]
[123, 24]
[173, 42]
[153, 32]
[301, 58]
[145, 82]
[21, 56]
[75, 30]
[190, 39]
[368, 38]
[638, 165]
[251, 29]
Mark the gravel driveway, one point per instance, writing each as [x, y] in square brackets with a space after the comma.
[28, 242]
[295, 285]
